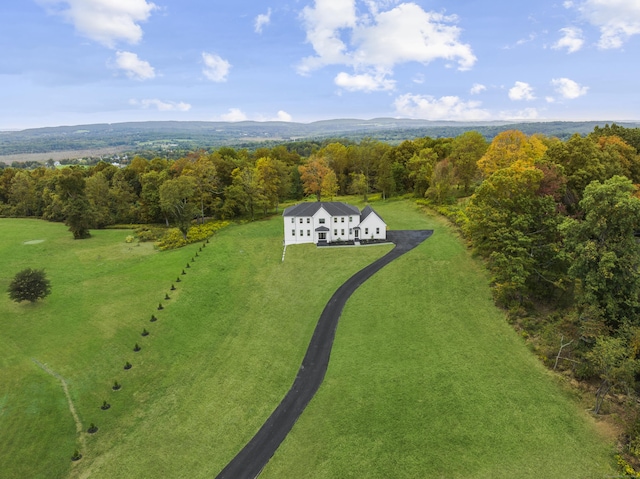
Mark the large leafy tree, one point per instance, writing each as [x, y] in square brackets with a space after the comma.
[176, 200]
[515, 225]
[77, 211]
[29, 285]
[312, 175]
[509, 147]
[466, 150]
[605, 252]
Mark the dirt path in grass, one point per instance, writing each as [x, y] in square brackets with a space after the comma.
[65, 388]
[250, 461]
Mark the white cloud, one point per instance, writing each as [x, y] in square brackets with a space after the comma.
[284, 116]
[571, 40]
[617, 20]
[262, 20]
[105, 21]
[215, 67]
[134, 67]
[477, 88]
[444, 108]
[161, 105]
[366, 82]
[568, 88]
[379, 40]
[234, 114]
[521, 91]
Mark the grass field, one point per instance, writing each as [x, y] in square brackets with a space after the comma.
[426, 378]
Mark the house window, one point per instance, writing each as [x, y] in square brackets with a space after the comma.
[308, 232]
[350, 231]
[308, 220]
[300, 220]
[350, 219]
[335, 220]
[342, 220]
[342, 232]
[335, 232]
[301, 232]
[377, 231]
[293, 232]
[293, 220]
[366, 231]
[321, 221]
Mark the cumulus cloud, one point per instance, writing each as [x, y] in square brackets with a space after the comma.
[262, 20]
[161, 105]
[105, 21]
[444, 108]
[215, 67]
[617, 20]
[568, 89]
[234, 114]
[571, 40]
[283, 116]
[477, 88]
[365, 82]
[521, 91]
[376, 41]
[134, 67]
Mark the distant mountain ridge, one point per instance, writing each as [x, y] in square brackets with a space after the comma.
[189, 135]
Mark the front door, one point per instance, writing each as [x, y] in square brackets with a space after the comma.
[357, 232]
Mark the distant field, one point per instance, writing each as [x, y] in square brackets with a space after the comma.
[426, 378]
[60, 155]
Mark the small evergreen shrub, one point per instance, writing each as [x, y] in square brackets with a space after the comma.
[173, 288]
[183, 272]
[188, 266]
[76, 456]
[153, 318]
[144, 333]
[178, 279]
[128, 365]
[160, 307]
[166, 296]
[105, 405]
[92, 429]
[116, 386]
[137, 348]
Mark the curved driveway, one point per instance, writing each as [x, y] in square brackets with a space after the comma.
[250, 461]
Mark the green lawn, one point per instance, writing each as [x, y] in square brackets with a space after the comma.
[426, 378]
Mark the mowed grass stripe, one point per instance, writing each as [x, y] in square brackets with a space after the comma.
[427, 380]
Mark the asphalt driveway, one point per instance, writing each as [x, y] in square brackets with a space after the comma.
[250, 461]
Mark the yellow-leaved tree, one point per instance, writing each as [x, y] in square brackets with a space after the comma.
[509, 147]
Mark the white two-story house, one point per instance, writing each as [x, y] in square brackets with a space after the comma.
[328, 222]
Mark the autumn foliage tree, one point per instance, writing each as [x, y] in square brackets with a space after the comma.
[312, 175]
[509, 147]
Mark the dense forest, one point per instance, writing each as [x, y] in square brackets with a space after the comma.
[556, 219]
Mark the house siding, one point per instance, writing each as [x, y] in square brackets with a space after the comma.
[341, 226]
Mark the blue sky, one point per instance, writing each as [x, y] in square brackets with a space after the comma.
[68, 62]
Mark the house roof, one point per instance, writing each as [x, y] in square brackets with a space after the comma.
[334, 208]
[367, 211]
